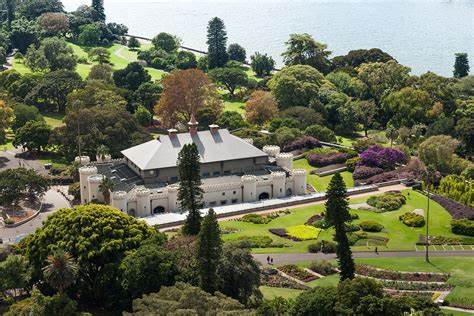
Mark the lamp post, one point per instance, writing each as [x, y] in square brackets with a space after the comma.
[427, 241]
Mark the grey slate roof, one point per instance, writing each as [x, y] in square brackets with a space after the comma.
[212, 147]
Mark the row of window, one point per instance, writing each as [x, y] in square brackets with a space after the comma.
[223, 202]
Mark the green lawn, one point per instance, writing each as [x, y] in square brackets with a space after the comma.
[54, 119]
[400, 236]
[272, 292]
[320, 183]
[236, 106]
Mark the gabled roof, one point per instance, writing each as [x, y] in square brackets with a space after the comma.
[212, 147]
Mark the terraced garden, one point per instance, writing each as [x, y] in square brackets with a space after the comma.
[400, 236]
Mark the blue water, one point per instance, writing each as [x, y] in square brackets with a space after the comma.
[421, 34]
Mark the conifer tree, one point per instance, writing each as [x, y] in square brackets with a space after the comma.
[209, 252]
[337, 214]
[190, 192]
[217, 43]
[461, 66]
[99, 11]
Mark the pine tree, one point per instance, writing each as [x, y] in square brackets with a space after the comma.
[209, 252]
[337, 214]
[461, 65]
[217, 43]
[190, 192]
[99, 12]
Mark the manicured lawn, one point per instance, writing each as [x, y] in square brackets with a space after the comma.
[54, 119]
[454, 313]
[272, 292]
[400, 236]
[320, 183]
[19, 66]
[52, 158]
[236, 106]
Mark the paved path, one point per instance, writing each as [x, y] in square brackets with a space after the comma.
[294, 258]
[52, 201]
[9, 161]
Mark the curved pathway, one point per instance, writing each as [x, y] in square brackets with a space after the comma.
[295, 258]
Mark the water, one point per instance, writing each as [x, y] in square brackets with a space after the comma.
[421, 34]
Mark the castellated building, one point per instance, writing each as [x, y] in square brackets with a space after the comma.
[146, 179]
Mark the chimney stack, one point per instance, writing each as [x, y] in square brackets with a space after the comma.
[214, 128]
[193, 125]
[172, 132]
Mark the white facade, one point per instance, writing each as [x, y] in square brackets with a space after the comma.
[224, 190]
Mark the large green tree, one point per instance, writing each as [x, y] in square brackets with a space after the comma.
[98, 237]
[236, 52]
[32, 9]
[15, 275]
[190, 191]
[302, 49]
[217, 43]
[34, 135]
[99, 11]
[262, 64]
[165, 42]
[131, 77]
[461, 65]
[230, 78]
[60, 271]
[209, 252]
[296, 85]
[407, 107]
[24, 113]
[20, 183]
[337, 214]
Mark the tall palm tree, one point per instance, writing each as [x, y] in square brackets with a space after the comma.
[102, 151]
[105, 186]
[61, 270]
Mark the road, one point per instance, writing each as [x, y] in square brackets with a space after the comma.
[52, 201]
[295, 258]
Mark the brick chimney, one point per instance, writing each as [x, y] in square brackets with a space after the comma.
[193, 125]
[214, 128]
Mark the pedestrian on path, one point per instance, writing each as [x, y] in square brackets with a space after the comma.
[376, 251]
[271, 260]
[268, 259]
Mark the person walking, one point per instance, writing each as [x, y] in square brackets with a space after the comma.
[271, 260]
[268, 259]
[376, 250]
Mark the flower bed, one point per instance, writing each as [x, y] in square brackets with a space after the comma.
[303, 232]
[416, 286]
[395, 275]
[412, 220]
[365, 172]
[314, 218]
[389, 201]
[270, 277]
[443, 240]
[322, 160]
[382, 157]
[323, 267]
[457, 210]
[297, 273]
[262, 219]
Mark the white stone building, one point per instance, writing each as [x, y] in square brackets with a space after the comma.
[233, 171]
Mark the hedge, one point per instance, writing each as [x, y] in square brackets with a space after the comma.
[412, 219]
[371, 226]
[462, 227]
[324, 246]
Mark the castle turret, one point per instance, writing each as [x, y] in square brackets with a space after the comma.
[94, 192]
[143, 202]
[285, 160]
[119, 201]
[173, 198]
[299, 176]
[82, 160]
[271, 150]
[278, 181]
[84, 173]
[249, 183]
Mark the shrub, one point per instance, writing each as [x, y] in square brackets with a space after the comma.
[322, 223]
[462, 227]
[74, 189]
[303, 232]
[352, 228]
[413, 220]
[457, 188]
[389, 201]
[297, 272]
[371, 226]
[314, 218]
[351, 163]
[364, 172]
[254, 242]
[9, 221]
[305, 142]
[323, 267]
[324, 246]
[322, 160]
[382, 157]
[255, 219]
[320, 132]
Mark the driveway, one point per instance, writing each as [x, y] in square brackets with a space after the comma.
[52, 201]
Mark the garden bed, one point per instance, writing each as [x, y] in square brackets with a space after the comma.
[415, 286]
[457, 210]
[400, 276]
[271, 277]
[297, 233]
[443, 240]
[298, 273]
